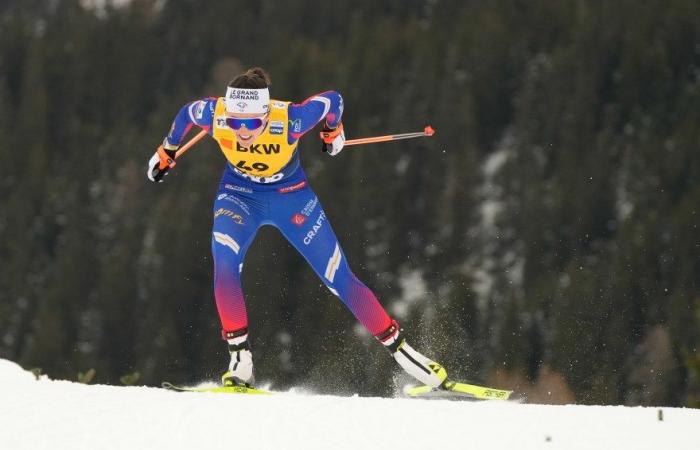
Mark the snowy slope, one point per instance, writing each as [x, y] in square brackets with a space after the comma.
[58, 415]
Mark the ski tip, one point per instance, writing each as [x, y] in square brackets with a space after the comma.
[429, 131]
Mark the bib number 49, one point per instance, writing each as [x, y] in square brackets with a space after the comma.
[256, 166]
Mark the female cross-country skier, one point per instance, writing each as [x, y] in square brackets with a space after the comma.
[263, 183]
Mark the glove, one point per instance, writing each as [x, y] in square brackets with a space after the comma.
[159, 164]
[333, 139]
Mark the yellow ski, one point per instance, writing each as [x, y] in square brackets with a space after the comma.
[451, 389]
[218, 389]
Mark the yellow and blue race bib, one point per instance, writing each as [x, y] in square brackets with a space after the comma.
[270, 152]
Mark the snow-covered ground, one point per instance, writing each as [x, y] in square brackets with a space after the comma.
[59, 415]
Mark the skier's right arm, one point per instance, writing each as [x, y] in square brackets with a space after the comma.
[200, 113]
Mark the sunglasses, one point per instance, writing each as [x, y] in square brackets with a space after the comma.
[250, 123]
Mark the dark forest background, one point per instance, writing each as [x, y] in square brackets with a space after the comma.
[546, 239]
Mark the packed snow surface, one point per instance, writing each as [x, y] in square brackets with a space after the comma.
[46, 414]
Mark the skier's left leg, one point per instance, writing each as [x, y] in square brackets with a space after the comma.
[301, 219]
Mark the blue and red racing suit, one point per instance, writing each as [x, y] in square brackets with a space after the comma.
[265, 185]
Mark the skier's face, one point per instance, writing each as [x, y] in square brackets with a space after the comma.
[247, 126]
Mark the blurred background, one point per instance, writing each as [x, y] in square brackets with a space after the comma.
[546, 239]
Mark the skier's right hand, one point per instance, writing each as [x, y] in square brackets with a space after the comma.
[159, 164]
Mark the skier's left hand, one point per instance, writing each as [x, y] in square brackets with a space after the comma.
[333, 139]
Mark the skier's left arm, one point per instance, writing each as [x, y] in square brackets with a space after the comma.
[304, 116]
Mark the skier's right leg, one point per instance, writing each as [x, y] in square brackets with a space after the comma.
[236, 221]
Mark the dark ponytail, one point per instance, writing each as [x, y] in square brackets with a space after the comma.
[254, 78]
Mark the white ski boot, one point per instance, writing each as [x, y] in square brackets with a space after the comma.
[415, 364]
[240, 369]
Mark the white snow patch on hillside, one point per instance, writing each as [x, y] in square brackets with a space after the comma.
[46, 414]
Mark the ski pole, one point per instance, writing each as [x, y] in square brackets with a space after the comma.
[190, 143]
[427, 132]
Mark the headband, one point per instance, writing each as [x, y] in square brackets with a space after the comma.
[240, 100]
